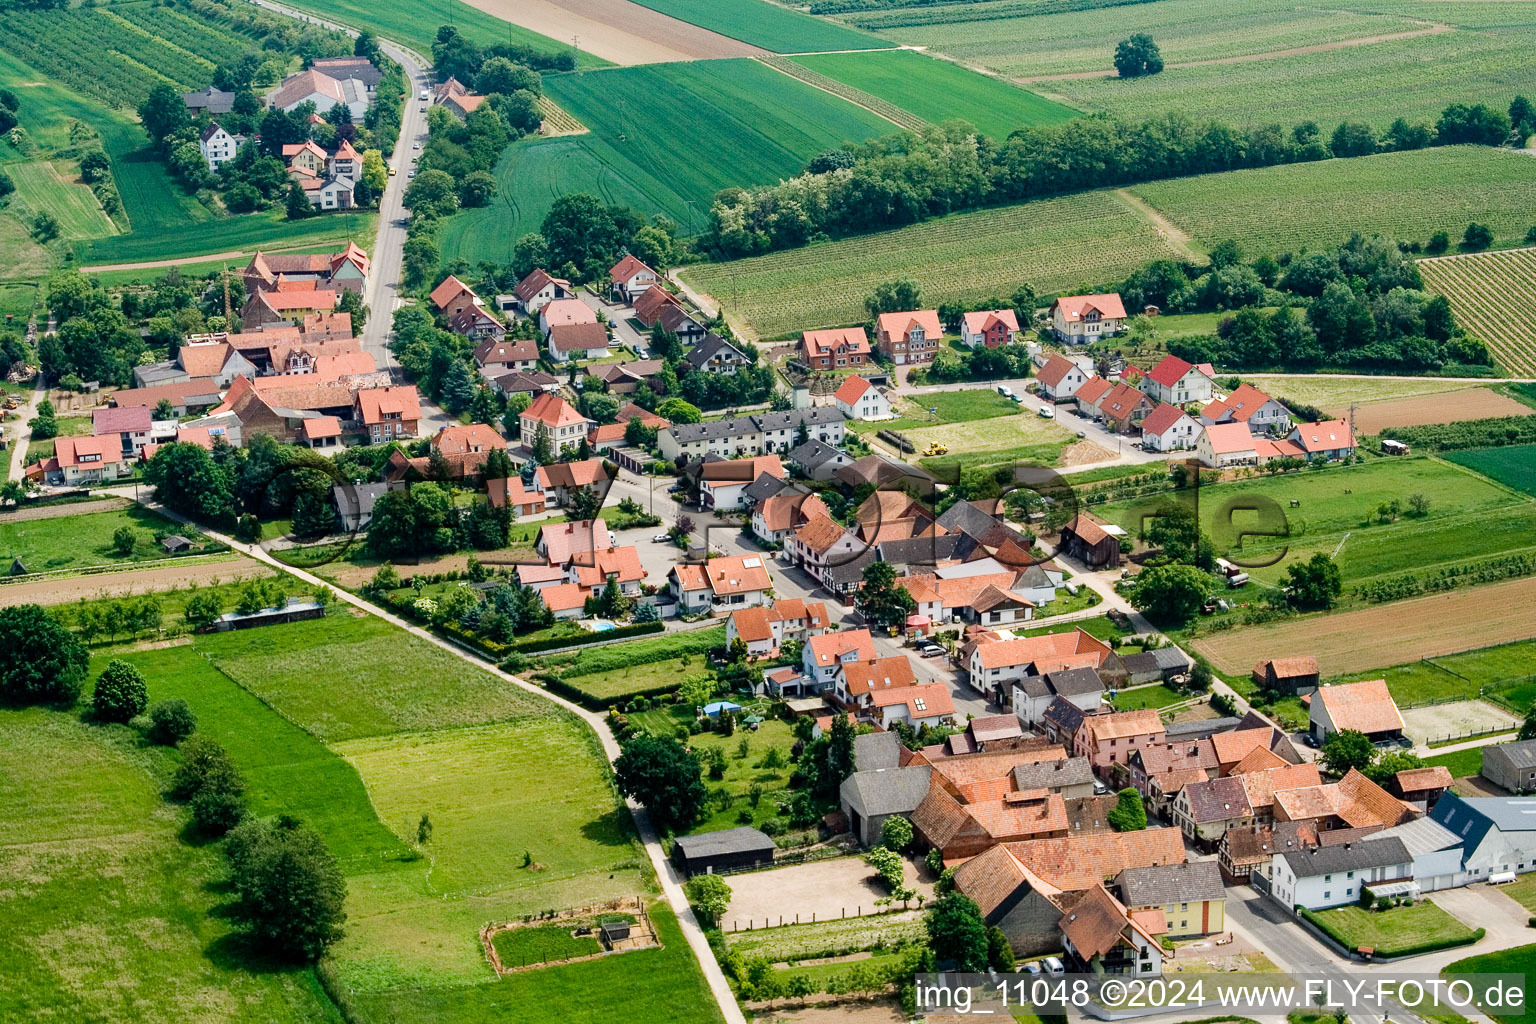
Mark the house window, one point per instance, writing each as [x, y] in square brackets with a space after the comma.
[1327, 895]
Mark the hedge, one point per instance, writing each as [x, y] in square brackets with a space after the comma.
[554, 643]
[1395, 954]
[592, 702]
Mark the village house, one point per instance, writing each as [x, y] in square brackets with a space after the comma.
[325, 92]
[1421, 787]
[289, 303]
[1364, 707]
[817, 460]
[775, 519]
[987, 599]
[560, 420]
[989, 327]
[1084, 319]
[1511, 766]
[909, 337]
[592, 570]
[630, 278]
[1250, 406]
[560, 543]
[1167, 429]
[388, 414]
[765, 629]
[509, 492]
[217, 145]
[1286, 676]
[1326, 439]
[857, 682]
[209, 100]
[627, 378]
[722, 485]
[564, 313]
[1354, 802]
[560, 482]
[1176, 382]
[453, 97]
[995, 665]
[133, 425]
[822, 543]
[858, 399]
[689, 586]
[538, 290]
[1101, 935]
[1089, 394]
[1124, 408]
[651, 302]
[498, 355]
[1190, 896]
[344, 270]
[81, 461]
[1059, 378]
[1032, 695]
[835, 348]
[1245, 852]
[1222, 445]
[716, 355]
[1332, 876]
[824, 656]
[722, 584]
[1109, 739]
[568, 342]
[1089, 542]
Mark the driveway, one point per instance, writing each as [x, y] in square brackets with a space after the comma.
[829, 889]
[1479, 906]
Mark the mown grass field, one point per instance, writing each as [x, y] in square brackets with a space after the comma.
[1338, 392]
[105, 907]
[991, 440]
[1519, 960]
[1054, 244]
[41, 185]
[21, 260]
[68, 542]
[769, 124]
[769, 25]
[1473, 283]
[1155, 697]
[1402, 196]
[1502, 672]
[939, 90]
[941, 407]
[619, 670]
[1400, 928]
[1514, 466]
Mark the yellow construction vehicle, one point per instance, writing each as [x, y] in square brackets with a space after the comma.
[935, 448]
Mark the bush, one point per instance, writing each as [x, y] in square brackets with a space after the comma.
[170, 722]
[120, 693]
[289, 889]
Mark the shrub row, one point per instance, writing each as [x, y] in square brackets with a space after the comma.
[1449, 578]
[555, 684]
[1494, 432]
[607, 659]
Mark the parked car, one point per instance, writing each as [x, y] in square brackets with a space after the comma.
[1053, 965]
[1046, 412]
[424, 94]
[1033, 967]
[661, 538]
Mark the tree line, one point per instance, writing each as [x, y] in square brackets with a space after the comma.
[910, 177]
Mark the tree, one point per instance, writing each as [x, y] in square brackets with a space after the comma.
[171, 721]
[894, 296]
[477, 189]
[1418, 505]
[297, 205]
[1388, 763]
[999, 952]
[882, 601]
[44, 663]
[124, 540]
[676, 410]
[163, 113]
[1353, 139]
[530, 253]
[840, 759]
[1128, 814]
[957, 932]
[424, 829]
[121, 692]
[1171, 593]
[710, 897]
[1476, 238]
[581, 231]
[202, 609]
[432, 194]
[1138, 56]
[1346, 749]
[289, 890]
[664, 776]
[1315, 583]
[896, 833]
[1528, 726]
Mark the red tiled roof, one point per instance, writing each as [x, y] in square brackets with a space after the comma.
[1092, 389]
[583, 337]
[102, 450]
[1170, 371]
[852, 390]
[457, 439]
[553, 411]
[627, 268]
[568, 311]
[1227, 438]
[1161, 419]
[1325, 435]
[572, 474]
[1054, 369]
[828, 648]
[400, 399]
[317, 427]
[892, 324]
[1242, 403]
[819, 343]
[125, 419]
[737, 574]
[981, 320]
[1075, 307]
[1364, 707]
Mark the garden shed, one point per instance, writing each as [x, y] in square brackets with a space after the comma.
[734, 849]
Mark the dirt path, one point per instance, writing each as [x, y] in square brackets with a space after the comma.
[74, 508]
[186, 260]
[1432, 29]
[1175, 235]
[905, 120]
[617, 30]
[22, 435]
[129, 583]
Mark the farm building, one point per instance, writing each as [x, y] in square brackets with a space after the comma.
[1364, 707]
[1088, 542]
[1286, 675]
[293, 611]
[716, 852]
[1511, 766]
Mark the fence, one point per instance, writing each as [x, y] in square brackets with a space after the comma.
[858, 912]
[1473, 734]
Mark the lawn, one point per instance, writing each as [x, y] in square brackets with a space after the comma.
[1338, 392]
[41, 185]
[105, 907]
[940, 90]
[769, 123]
[1156, 696]
[616, 658]
[976, 403]
[1417, 682]
[1460, 763]
[1518, 960]
[769, 25]
[1404, 196]
[345, 677]
[1054, 244]
[1398, 929]
[1514, 466]
[74, 541]
[989, 441]
[616, 684]
[535, 943]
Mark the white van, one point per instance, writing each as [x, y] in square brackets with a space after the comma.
[1046, 412]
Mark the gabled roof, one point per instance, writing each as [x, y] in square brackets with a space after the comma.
[592, 569]
[561, 541]
[1242, 403]
[535, 282]
[853, 389]
[584, 337]
[1077, 862]
[892, 324]
[1162, 884]
[1229, 438]
[649, 305]
[984, 319]
[456, 439]
[830, 648]
[627, 268]
[502, 351]
[1170, 371]
[1092, 390]
[1364, 707]
[783, 511]
[101, 450]
[1054, 369]
[820, 533]
[710, 346]
[124, 419]
[399, 400]
[1217, 800]
[862, 677]
[1328, 860]
[1122, 400]
[572, 474]
[818, 343]
[553, 411]
[568, 311]
[1076, 307]
[737, 574]
[1323, 436]
[1419, 780]
[1123, 724]
[1288, 668]
[1161, 419]
[301, 86]
[1053, 651]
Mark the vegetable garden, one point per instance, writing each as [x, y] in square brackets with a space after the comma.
[1493, 295]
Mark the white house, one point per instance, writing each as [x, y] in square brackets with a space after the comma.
[1090, 396]
[1328, 439]
[1437, 853]
[1226, 444]
[631, 279]
[1084, 319]
[334, 194]
[861, 400]
[1060, 378]
[823, 657]
[1331, 876]
[558, 417]
[1365, 707]
[217, 145]
[1167, 428]
[1176, 381]
[539, 289]
[929, 704]
[1248, 405]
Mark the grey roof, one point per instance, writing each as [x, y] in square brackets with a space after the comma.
[1328, 860]
[1421, 835]
[1065, 714]
[880, 470]
[713, 430]
[1172, 658]
[921, 550]
[1506, 813]
[764, 487]
[1190, 882]
[849, 571]
[1032, 577]
[1035, 686]
[673, 316]
[733, 840]
[358, 499]
[1217, 799]
[1075, 681]
[815, 453]
[1200, 729]
[215, 101]
[792, 418]
[1517, 756]
[887, 790]
[707, 347]
[1071, 771]
[875, 750]
[964, 516]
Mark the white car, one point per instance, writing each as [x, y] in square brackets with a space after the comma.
[661, 538]
[415, 145]
[1046, 412]
[423, 94]
[1053, 965]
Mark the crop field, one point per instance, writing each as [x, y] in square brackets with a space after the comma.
[41, 186]
[1001, 34]
[1352, 641]
[105, 906]
[1474, 281]
[1054, 244]
[267, 229]
[769, 25]
[308, 671]
[1496, 671]
[1514, 466]
[770, 124]
[938, 90]
[1446, 407]
[1519, 960]
[1468, 518]
[1411, 77]
[68, 542]
[20, 259]
[1336, 393]
[1402, 196]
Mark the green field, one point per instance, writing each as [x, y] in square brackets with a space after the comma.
[1470, 281]
[1514, 466]
[766, 24]
[768, 123]
[1461, 763]
[69, 542]
[1519, 960]
[1468, 517]
[938, 90]
[109, 914]
[42, 186]
[21, 259]
[535, 943]
[1155, 696]
[267, 230]
[1502, 672]
[942, 407]
[1054, 244]
[1398, 929]
[1403, 196]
